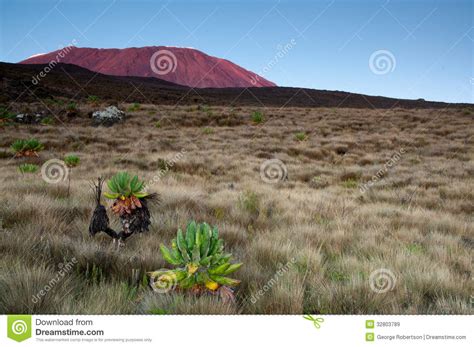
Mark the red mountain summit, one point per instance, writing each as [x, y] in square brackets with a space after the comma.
[185, 66]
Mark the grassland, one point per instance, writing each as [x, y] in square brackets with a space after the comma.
[365, 190]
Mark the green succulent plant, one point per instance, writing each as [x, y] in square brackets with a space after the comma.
[28, 168]
[6, 117]
[72, 160]
[200, 260]
[122, 185]
[134, 107]
[27, 148]
[93, 99]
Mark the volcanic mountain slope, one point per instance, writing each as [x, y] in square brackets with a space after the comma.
[184, 66]
[74, 82]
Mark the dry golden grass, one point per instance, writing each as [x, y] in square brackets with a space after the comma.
[319, 224]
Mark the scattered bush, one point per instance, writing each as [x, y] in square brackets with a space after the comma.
[28, 168]
[250, 202]
[47, 121]
[350, 183]
[93, 99]
[134, 107]
[6, 117]
[72, 160]
[72, 106]
[301, 136]
[257, 117]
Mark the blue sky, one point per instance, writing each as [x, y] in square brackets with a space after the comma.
[427, 45]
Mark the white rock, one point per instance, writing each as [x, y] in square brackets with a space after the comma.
[109, 116]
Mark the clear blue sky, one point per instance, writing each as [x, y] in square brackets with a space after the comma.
[430, 43]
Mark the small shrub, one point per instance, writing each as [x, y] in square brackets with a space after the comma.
[93, 99]
[6, 117]
[257, 117]
[338, 276]
[250, 202]
[72, 106]
[72, 160]
[301, 136]
[158, 124]
[350, 183]
[47, 121]
[28, 168]
[204, 108]
[134, 107]
[467, 111]
[53, 102]
[318, 182]
[208, 131]
[415, 248]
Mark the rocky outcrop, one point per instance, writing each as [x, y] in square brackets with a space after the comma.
[108, 117]
[30, 118]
